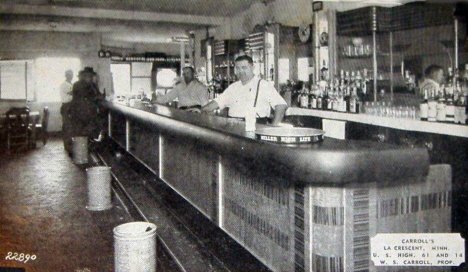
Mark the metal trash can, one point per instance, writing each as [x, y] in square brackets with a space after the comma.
[99, 188]
[80, 150]
[135, 247]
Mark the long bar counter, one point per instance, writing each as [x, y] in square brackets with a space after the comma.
[311, 207]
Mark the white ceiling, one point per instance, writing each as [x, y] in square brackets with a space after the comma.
[195, 7]
[128, 21]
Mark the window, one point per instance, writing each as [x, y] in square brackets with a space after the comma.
[303, 69]
[141, 77]
[132, 78]
[121, 78]
[50, 74]
[16, 80]
[165, 77]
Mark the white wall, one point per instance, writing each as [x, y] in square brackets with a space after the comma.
[22, 45]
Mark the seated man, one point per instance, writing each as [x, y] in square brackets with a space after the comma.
[250, 91]
[190, 92]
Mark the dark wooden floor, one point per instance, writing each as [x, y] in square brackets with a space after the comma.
[42, 212]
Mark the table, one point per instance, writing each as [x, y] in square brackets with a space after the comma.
[34, 118]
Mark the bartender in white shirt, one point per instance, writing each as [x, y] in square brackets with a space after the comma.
[250, 90]
[191, 93]
[66, 97]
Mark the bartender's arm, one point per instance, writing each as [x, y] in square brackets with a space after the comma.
[223, 99]
[279, 114]
[277, 102]
[169, 97]
[213, 105]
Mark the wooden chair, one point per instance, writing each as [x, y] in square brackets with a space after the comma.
[17, 126]
[41, 129]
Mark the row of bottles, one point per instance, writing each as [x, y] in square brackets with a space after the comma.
[230, 78]
[447, 104]
[331, 100]
[345, 93]
[225, 64]
[443, 107]
[146, 59]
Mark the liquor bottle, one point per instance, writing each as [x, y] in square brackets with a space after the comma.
[465, 116]
[461, 110]
[450, 110]
[333, 101]
[423, 107]
[464, 82]
[450, 83]
[313, 99]
[300, 99]
[319, 99]
[382, 95]
[432, 107]
[341, 102]
[354, 103]
[347, 97]
[409, 81]
[441, 108]
[325, 100]
[304, 97]
[363, 88]
[457, 90]
[358, 77]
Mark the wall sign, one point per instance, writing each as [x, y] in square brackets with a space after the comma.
[317, 6]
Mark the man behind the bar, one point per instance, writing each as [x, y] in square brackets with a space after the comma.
[241, 95]
[433, 77]
[190, 92]
[66, 97]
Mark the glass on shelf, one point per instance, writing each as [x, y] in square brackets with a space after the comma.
[405, 112]
[413, 113]
[367, 50]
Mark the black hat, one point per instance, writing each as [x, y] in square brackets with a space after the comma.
[87, 70]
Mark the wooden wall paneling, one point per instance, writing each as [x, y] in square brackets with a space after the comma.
[144, 145]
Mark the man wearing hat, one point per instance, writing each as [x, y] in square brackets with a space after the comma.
[84, 105]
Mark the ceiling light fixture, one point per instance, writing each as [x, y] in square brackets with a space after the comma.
[179, 39]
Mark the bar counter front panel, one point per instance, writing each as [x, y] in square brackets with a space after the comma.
[307, 208]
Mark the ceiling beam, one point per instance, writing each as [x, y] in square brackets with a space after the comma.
[50, 10]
